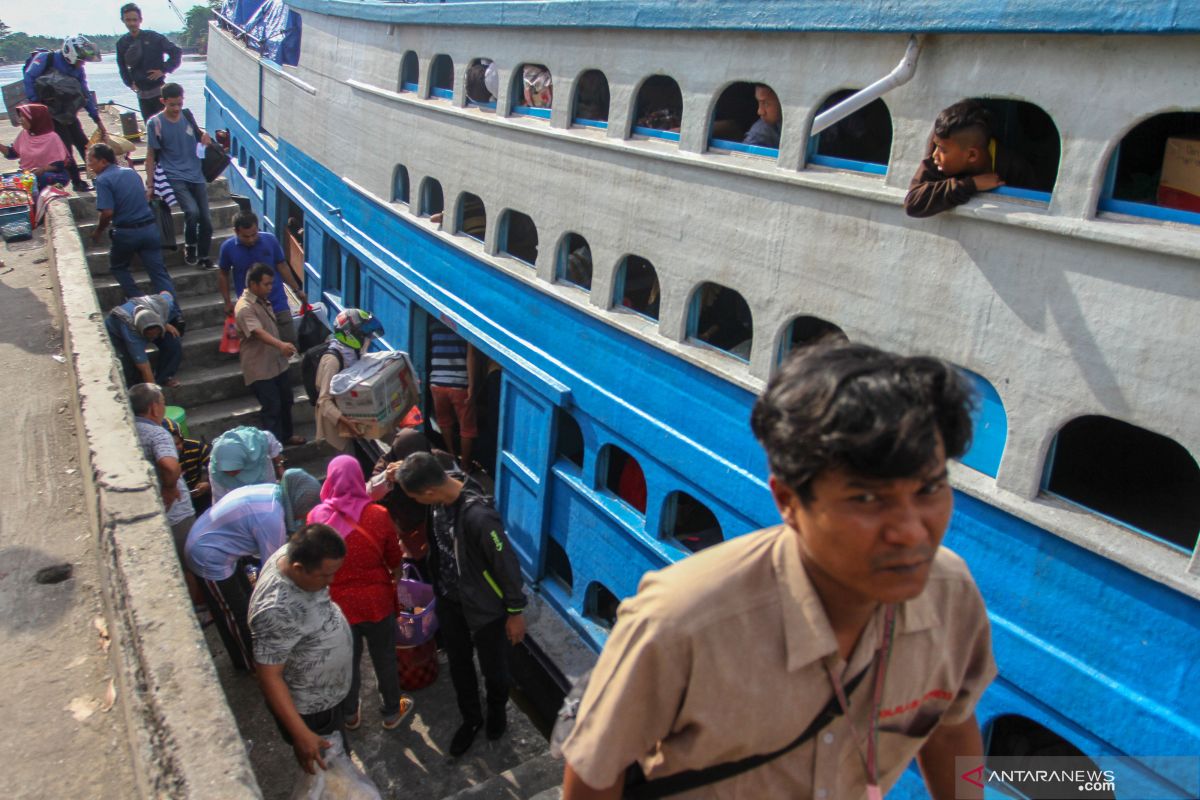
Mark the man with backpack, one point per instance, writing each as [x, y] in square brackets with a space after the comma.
[479, 594]
[58, 81]
[816, 658]
[171, 139]
[353, 330]
[144, 58]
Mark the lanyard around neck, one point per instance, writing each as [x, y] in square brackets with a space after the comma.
[882, 653]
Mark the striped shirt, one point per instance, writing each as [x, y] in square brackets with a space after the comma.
[448, 359]
[246, 522]
[193, 459]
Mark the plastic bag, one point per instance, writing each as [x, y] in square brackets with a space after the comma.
[312, 330]
[340, 780]
[229, 337]
[364, 368]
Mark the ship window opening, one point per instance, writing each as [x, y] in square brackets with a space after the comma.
[533, 91]
[748, 119]
[441, 77]
[636, 287]
[689, 523]
[1154, 170]
[472, 216]
[400, 184]
[558, 564]
[805, 330]
[351, 282]
[293, 236]
[658, 112]
[623, 476]
[1031, 138]
[331, 269]
[600, 605]
[1012, 736]
[252, 169]
[591, 100]
[432, 202]
[568, 438]
[575, 261]
[1134, 476]
[410, 72]
[989, 423]
[720, 317]
[482, 86]
[861, 142]
[519, 237]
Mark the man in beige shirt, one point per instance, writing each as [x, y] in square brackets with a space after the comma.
[264, 356]
[735, 651]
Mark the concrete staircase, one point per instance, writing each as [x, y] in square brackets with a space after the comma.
[213, 393]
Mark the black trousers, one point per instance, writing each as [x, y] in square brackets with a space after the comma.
[380, 638]
[275, 397]
[72, 135]
[150, 106]
[490, 644]
[322, 723]
[229, 602]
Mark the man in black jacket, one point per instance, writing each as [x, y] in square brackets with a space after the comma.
[144, 59]
[478, 584]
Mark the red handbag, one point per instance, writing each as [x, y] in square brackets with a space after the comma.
[229, 337]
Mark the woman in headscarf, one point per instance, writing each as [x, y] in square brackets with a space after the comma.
[410, 517]
[38, 147]
[243, 457]
[364, 587]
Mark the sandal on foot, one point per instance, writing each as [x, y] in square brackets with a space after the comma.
[352, 723]
[393, 722]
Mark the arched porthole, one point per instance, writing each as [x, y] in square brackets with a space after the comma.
[568, 438]
[532, 91]
[1025, 746]
[807, 330]
[591, 100]
[410, 72]
[636, 287]
[441, 77]
[1134, 476]
[623, 477]
[658, 110]
[472, 216]
[432, 201]
[989, 424]
[720, 317]
[600, 605]
[861, 142]
[1025, 135]
[482, 83]
[747, 118]
[575, 261]
[519, 237]
[1152, 172]
[400, 184]
[558, 564]
[690, 524]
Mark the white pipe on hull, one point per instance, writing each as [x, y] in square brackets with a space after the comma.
[897, 77]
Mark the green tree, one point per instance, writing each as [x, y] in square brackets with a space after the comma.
[195, 26]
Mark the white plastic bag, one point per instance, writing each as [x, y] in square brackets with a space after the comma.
[341, 780]
[370, 364]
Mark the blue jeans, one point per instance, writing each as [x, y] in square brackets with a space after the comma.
[145, 243]
[275, 397]
[131, 349]
[197, 222]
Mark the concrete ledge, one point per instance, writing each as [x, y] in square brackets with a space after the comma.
[183, 736]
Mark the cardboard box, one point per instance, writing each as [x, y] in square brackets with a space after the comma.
[378, 400]
[1179, 186]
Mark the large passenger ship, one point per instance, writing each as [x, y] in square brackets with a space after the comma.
[566, 185]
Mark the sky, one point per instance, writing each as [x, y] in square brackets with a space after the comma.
[65, 17]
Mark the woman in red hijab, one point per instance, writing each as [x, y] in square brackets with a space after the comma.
[364, 587]
[38, 147]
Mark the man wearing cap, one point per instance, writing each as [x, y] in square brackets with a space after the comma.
[148, 318]
[250, 522]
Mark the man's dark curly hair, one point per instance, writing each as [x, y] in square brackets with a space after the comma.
[964, 117]
[874, 413]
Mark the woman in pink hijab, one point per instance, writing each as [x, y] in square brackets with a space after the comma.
[364, 587]
[38, 147]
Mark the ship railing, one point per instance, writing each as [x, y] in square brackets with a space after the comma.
[239, 32]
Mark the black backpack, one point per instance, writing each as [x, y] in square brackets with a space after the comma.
[309, 365]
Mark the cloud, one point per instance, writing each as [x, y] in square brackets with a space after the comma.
[65, 17]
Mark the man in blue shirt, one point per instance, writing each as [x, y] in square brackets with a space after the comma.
[247, 248]
[121, 202]
[154, 318]
[58, 81]
[171, 142]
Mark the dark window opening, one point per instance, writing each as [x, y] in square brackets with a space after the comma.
[331, 267]
[721, 318]
[747, 115]
[575, 261]
[351, 282]
[637, 286]
[1027, 137]
[1156, 164]
[591, 98]
[441, 77]
[520, 237]
[1137, 477]
[410, 72]
[624, 477]
[863, 138]
[292, 217]
[252, 168]
[805, 331]
[472, 216]
[432, 201]
[558, 564]
[400, 184]
[482, 82]
[533, 90]
[601, 605]
[569, 438]
[659, 108]
[690, 523]
[1015, 737]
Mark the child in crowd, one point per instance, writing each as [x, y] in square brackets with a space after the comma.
[964, 159]
[193, 459]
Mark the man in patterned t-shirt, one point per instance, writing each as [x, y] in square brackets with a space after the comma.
[302, 644]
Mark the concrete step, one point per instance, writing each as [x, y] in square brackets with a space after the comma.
[97, 255]
[525, 781]
[221, 214]
[207, 384]
[189, 282]
[202, 311]
[553, 793]
[214, 418]
[83, 206]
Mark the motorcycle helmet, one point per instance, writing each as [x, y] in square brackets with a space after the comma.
[79, 48]
[353, 326]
